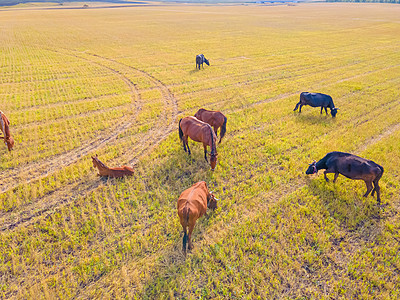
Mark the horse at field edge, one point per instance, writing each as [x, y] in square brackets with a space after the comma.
[5, 128]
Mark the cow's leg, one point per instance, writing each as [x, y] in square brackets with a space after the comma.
[322, 109]
[326, 111]
[191, 227]
[369, 187]
[378, 191]
[205, 152]
[376, 187]
[301, 105]
[328, 171]
[336, 176]
[297, 106]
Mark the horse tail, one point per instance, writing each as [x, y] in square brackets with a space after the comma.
[180, 131]
[223, 129]
[186, 211]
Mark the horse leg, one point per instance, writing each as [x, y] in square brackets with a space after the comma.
[184, 142]
[191, 227]
[369, 187]
[205, 152]
[215, 130]
[187, 144]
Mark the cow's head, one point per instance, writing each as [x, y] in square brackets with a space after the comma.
[312, 169]
[213, 160]
[10, 143]
[211, 201]
[206, 61]
[334, 111]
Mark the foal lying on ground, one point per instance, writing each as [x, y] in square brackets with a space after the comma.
[111, 172]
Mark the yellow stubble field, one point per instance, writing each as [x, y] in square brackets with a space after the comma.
[116, 81]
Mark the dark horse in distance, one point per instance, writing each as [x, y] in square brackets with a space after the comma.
[215, 118]
[200, 59]
[351, 166]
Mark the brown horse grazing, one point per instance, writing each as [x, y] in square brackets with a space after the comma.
[351, 166]
[5, 128]
[111, 172]
[215, 118]
[199, 131]
[192, 204]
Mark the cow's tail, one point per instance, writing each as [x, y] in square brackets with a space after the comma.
[186, 212]
[180, 131]
[376, 180]
[378, 177]
[223, 129]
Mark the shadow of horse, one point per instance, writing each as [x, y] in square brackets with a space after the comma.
[191, 72]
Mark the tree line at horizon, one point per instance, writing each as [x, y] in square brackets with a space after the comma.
[366, 1]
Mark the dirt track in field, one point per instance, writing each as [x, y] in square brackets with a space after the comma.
[34, 171]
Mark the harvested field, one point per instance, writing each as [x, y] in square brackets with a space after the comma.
[115, 82]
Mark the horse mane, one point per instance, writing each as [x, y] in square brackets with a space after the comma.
[213, 148]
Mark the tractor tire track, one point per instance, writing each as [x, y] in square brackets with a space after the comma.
[158, 133]
[43, 206]
[38, 170]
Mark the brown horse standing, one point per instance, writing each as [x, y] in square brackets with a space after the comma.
[215, 118]
[192, 204]
[111, 172]
[5, 128]
[199, 131]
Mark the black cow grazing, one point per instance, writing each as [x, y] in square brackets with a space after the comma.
[317, 100]
[200, 59]
[351, 166]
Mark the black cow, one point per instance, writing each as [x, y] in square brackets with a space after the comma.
[351, 166]
[200, 59]
[317, 100]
